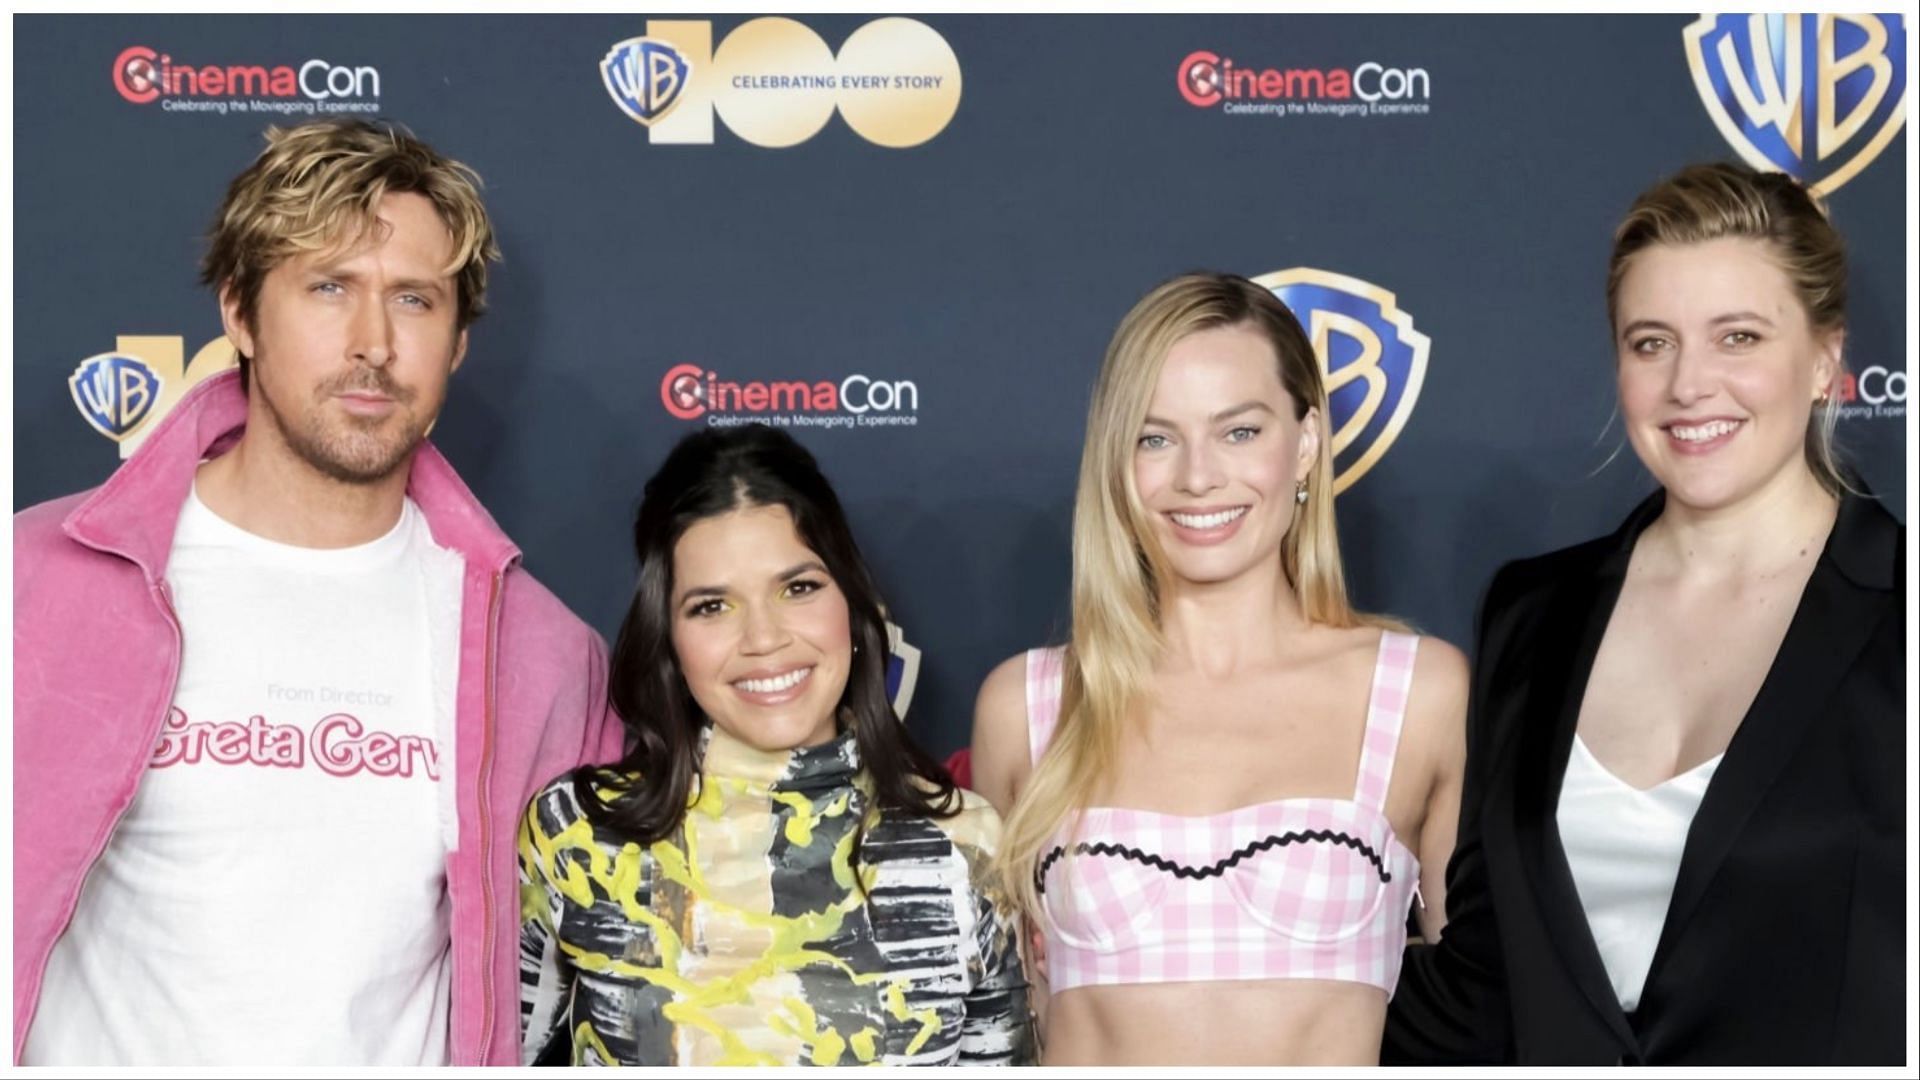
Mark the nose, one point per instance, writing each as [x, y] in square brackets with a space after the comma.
[371, 340]
[761, 631]
[1691, 376]
[1199, 470]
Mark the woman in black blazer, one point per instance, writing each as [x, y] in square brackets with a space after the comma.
[1742, 633]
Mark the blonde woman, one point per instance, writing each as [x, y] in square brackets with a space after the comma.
[1229, 788]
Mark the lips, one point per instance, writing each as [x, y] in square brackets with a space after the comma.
[774, 687]
[1204, 525]
[1702, 436]
[365, 403]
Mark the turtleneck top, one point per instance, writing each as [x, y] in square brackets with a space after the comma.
[741, 938]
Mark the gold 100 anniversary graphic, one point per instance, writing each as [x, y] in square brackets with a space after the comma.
[775, 83]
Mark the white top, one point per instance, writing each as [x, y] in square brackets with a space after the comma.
[1624, 846]
[276, 892]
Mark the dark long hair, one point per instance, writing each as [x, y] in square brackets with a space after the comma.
[710, 473]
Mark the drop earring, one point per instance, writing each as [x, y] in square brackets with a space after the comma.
[1300, 493]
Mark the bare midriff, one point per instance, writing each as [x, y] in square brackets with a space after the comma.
[1265, 1022]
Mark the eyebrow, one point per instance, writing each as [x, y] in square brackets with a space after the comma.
[1717, 320]
[1223, 414]
[791, 572]
[335, 270]
[418, 285]
[1740, 316]
[702, 591]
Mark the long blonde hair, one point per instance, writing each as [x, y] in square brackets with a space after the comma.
[1118, 566]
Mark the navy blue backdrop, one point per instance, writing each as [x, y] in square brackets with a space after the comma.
[1441, 189]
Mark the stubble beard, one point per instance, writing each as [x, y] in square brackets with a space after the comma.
[351, 449]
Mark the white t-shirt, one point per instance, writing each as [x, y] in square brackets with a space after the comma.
[276, 892]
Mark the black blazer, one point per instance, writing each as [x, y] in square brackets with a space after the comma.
[1785, 942]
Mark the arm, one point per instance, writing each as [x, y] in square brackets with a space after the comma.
[546, 981]
[1451, 1006]
[1439, 705]
[1002, 761]
[1001, 758]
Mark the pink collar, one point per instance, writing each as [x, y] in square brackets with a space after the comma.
[134, 513]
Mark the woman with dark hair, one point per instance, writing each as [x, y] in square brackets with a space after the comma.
[775, 874]
[1682, 836]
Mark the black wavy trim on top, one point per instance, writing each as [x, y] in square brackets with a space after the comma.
[1167, 866]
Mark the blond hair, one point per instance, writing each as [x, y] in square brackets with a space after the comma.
[1728, 200]
[318, 186]
[1119, 568]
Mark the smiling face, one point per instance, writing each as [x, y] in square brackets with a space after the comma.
[760, 629]
[1221, 454]
[352, 349]
[1719, 368]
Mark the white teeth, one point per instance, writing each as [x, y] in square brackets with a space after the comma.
[1703, 432]
[1208, 521]
[776, 684]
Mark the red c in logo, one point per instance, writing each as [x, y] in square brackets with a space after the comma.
[681, 392]
[1199, 79]
[136, 75]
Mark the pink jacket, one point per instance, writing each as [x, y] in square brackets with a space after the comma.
[96, 650]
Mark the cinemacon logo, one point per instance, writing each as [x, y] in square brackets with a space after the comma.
[1876, 385]
[689, 391]
[1205, 79]
[143, 75]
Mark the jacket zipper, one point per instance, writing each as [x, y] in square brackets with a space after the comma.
[159, 590]
[488, 931]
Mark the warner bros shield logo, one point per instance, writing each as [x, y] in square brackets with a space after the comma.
[645, 76]
[114, 392]
[1371, 356]
[903, 670]
[1815, 96]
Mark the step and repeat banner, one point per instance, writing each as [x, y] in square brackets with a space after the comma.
[907, 241]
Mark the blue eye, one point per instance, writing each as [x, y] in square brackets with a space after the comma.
[1242, 434]
[1154, 441]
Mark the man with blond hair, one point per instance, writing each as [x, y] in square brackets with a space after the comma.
[281, 687]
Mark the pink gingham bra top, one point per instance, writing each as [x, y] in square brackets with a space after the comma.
[1310, 888]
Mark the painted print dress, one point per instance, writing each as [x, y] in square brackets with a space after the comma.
[741, 939]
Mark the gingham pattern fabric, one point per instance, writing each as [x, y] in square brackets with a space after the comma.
[1291, 889]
